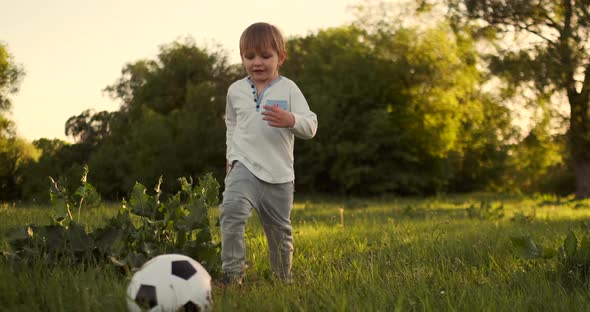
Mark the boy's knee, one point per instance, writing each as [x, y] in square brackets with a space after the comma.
[234, 215]
[285, 230]
[236, 207]
[282, 235]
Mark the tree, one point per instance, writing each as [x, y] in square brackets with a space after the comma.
[89, 128]
[170, 122]
[50, 163]
[543, 43]
[393, 103]
[10, 76]
[14, 151]
[484, 161]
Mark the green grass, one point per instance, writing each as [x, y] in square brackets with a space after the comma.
[389, 254]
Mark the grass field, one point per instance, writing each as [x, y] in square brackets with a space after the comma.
[396, 254]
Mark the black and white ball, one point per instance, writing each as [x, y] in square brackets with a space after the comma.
[170, 282]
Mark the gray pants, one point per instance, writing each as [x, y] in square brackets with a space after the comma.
[273, 204]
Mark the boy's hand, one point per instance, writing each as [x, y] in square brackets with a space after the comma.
[277, 117]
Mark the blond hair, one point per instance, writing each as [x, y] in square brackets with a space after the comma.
[262, 36]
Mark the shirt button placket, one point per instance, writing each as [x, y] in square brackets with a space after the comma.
[255, 97]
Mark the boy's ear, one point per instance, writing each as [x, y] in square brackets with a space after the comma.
[282, 58]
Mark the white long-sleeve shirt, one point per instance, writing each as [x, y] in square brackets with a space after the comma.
[266, 151]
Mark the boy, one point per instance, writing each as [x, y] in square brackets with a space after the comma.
[264, 112]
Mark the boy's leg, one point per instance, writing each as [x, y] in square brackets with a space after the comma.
[234, 213]
[275, 215]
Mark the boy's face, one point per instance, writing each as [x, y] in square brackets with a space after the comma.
[262, 66]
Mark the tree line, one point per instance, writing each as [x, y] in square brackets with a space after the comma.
[402, 110]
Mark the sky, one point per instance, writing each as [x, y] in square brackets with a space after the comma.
[72, 49]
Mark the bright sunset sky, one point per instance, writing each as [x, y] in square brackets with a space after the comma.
[71, 49]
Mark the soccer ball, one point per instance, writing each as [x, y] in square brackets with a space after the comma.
[170, 283]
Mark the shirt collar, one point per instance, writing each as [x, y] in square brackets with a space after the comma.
[267, 86]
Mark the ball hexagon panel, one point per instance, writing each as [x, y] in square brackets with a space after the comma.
[146, 296]
[190, 307]
[183, 269]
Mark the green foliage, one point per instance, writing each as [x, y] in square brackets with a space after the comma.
[485, 211]
[521, 217]
[410, 99]
[526, 248]
[551, 60]
[144, 228]
[417, 120]
[57, 159]
[418, 117]
[573, 256]
[539, 162]
[64, 200]
[15, 155]
[10, 76]
[14, 151]
[484, 160]
[89, 128]
[168, 104]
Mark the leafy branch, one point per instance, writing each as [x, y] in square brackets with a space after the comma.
[63, 201]
[143, 228]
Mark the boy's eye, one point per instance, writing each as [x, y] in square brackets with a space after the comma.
[252, 55]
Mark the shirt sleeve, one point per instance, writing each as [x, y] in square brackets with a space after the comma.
[230, 124]
[306, 122]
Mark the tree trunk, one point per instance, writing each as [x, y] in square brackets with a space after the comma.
[582, 172]
[580, 141]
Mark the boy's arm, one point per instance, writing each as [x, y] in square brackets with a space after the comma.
[230, 124]
[306, 122]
